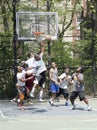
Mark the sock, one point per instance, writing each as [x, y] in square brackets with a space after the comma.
[41, 94]
[33, 89]
[51, 100]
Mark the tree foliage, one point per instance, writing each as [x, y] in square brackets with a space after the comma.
[63, 53]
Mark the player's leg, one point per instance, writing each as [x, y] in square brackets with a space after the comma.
[35, 84]
[42, 85]
[73, 96]
[83, 98]
[66, 96]
[54, 90]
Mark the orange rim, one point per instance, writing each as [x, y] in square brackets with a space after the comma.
[38, 33]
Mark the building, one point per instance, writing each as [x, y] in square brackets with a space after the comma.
[72, 35]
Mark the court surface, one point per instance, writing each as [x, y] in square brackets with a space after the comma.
[40, 116]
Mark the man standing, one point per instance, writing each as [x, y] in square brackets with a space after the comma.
[54, 88]
[78, 78]
[65, 80]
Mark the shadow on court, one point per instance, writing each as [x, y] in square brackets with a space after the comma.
[41, 116]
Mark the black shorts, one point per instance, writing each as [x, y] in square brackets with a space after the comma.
[63, 92]
[42, 79]
[23, 89]
[75, 94]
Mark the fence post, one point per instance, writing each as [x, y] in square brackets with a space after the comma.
[14, 41]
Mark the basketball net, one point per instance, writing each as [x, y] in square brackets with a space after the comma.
[38, 35]
[2, 115]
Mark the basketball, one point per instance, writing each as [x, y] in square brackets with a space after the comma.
[47, 37]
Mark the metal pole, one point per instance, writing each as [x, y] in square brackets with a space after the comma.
[37, 4]
[49, 52]
[93, 51]
[14, 41]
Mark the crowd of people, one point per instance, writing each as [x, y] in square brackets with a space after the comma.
[32, 73]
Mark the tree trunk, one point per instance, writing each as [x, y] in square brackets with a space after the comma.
[96, 16]
[4, 17]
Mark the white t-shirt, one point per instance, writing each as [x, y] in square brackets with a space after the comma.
[19, 76]
[30, 61]
[40, 67]
[63, 84]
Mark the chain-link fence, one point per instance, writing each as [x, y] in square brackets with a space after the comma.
[7, 62]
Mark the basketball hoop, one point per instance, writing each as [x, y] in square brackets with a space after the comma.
[38, 35]
[36, 25]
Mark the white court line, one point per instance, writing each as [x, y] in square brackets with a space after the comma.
[83, 106]
[64, 128]
[58, 122]
[2, 115]
[53, 121]
[76, 128]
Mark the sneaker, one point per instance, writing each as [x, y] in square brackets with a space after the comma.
[13, 100]
[41, 100]
[32, 95]
[30, 103]
[73, 108]
[66, 104]
[18, 100]
[89, 108]
[50, 103]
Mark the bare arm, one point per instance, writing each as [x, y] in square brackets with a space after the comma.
[42, 47]
[24, 80]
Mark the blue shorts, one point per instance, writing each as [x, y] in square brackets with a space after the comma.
[54, 88]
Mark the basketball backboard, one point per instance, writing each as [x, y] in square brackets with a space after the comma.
[42, 23]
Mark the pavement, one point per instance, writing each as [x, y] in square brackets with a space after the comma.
[41, 116]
